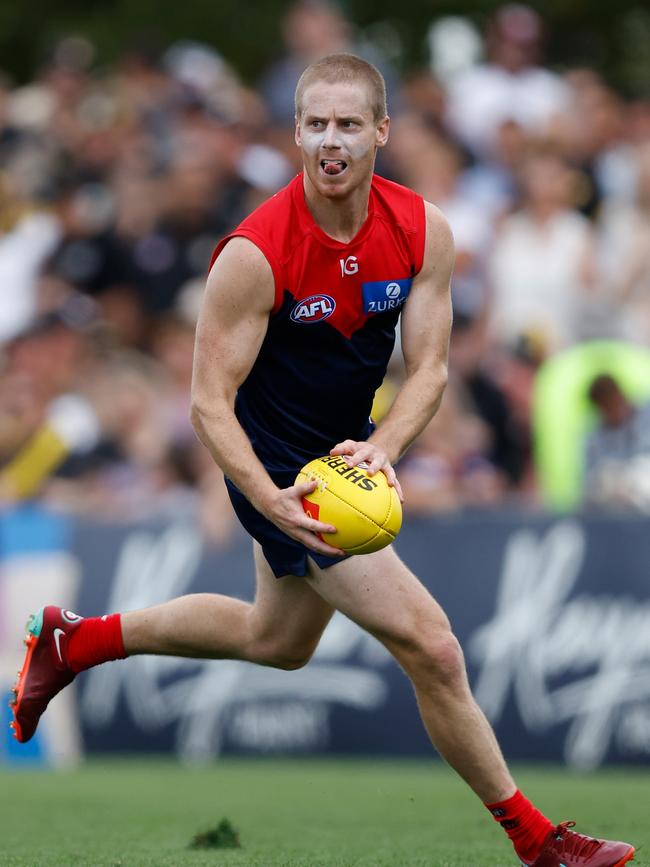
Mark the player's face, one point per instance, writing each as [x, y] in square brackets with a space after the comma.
[338, 136]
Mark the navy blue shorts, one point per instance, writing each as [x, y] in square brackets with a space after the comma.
[285, 556]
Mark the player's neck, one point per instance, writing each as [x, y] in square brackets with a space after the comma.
[342, 218]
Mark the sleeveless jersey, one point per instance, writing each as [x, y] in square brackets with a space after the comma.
[332, 327]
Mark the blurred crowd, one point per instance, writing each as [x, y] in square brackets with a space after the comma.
[115, 185]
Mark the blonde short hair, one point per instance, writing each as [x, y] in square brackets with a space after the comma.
[350, 69]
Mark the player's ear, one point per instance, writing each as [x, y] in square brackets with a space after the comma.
[383, 130]
[296, 135]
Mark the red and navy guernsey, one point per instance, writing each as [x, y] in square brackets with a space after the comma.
[332, 328]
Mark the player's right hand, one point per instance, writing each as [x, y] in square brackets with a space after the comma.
[286, 512]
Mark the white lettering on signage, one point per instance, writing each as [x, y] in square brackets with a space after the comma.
[209, 701]
[584, 661]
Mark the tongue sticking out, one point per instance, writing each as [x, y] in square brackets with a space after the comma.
[333, 168]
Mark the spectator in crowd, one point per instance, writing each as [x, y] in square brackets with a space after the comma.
[43, 416]
[490, 184]
[479, 371]
[311, 29]
[449, 468]
[541, 266]
[625, 257]
[594, 138]
[431, 164]
[617, 458]
[10, 136]
[421, 95]
[24, 248]
[511, 85]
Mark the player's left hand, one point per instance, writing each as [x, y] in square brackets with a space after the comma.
[376, 459]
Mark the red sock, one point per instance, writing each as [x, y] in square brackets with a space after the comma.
[95, 640]
[523, 823]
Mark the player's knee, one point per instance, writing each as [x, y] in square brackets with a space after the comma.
[440, 655]
[291, 663]
[291, 660]
[288, 657]
[435, 656]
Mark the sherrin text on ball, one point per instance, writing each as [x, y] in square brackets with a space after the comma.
[365, 509]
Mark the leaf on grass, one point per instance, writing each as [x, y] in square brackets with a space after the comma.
[224, 836]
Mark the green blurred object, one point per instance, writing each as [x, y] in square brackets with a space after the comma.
[562, 414]
[224, 836]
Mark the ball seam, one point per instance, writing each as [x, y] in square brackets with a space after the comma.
[370, 540]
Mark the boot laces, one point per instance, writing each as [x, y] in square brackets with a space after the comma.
[572, 843]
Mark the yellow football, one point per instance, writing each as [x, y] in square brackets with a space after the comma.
[365, 510]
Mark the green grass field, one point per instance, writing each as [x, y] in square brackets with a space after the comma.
[291, 813]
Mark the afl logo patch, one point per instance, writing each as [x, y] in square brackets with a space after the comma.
[313, 309]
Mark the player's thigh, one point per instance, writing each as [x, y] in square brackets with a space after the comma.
[287, 610]
[380, 593]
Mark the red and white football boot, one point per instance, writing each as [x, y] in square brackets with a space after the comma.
[567, 848]
[45, 671]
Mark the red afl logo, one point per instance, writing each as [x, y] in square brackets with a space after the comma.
[313, 309]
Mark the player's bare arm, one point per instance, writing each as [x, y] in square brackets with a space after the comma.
[231, 327]
[426, 326]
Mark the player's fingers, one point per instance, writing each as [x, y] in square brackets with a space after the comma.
[301, 488]
[315, 526]
[363, 454]
[393, 481]
[344, 448]
[377, 461]
[315, 544]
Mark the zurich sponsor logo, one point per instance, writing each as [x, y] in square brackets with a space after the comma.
[313, 309]
[383, 295]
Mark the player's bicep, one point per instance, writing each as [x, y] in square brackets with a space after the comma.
[232, 323]
[427, 315]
